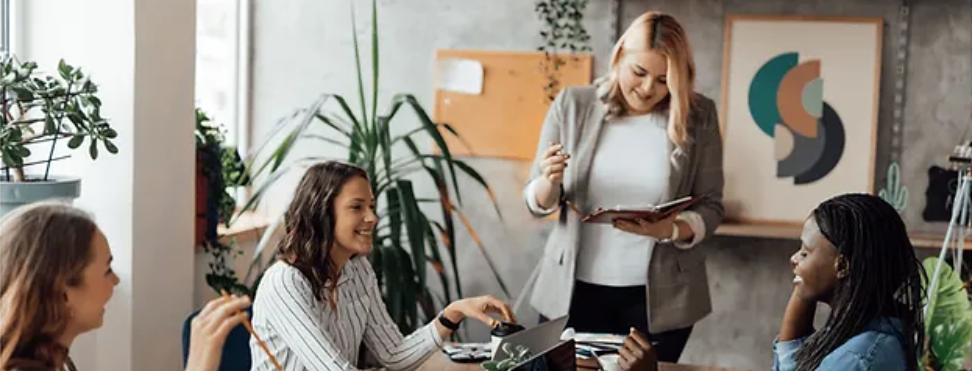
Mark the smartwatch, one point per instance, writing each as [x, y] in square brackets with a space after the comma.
[448, 323]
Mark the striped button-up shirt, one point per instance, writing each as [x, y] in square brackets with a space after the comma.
[306, 334]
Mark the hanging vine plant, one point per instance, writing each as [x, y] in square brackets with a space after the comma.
[562, 32]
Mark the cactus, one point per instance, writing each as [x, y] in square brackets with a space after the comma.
[895, 193]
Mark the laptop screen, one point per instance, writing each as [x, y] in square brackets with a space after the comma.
[559, 358]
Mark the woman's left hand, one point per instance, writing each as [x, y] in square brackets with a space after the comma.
[480, 308]
[661, 229]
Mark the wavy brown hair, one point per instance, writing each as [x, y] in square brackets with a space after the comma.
[309, 225]
[44, 248]
[662, 33]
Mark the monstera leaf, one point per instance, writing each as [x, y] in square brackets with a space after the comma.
[948, 324]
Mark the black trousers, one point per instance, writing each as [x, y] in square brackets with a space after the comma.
[607, 309]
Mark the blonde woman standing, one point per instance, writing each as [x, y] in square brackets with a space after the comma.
[640, 135]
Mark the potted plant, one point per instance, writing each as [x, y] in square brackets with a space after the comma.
[40, 113]
[407, 240]
[219, 170]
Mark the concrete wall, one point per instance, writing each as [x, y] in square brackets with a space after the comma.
[303, 48]
[750, 278]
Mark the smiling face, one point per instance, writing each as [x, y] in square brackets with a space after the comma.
[815, 265]
[643, 79]
[354, 219]
[86, 301]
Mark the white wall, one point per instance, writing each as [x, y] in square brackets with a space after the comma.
[141, 53]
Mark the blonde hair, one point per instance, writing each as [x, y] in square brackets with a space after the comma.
[44, 248]
[661, 33]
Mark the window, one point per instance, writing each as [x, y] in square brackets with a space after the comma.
[5, 28]
[222, 68]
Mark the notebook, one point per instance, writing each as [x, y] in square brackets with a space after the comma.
[651, 213]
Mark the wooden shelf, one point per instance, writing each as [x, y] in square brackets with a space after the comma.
[791, 232]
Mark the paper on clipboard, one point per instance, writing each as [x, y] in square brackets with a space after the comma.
[460, 75]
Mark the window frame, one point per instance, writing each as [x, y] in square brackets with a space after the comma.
[240, 105]
[6, 28]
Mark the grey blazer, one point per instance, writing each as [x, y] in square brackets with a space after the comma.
[678, 290]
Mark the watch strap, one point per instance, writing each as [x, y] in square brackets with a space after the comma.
[448, 323]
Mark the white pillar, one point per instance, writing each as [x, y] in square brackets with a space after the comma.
[141, 54]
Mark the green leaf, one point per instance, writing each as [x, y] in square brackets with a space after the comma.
[111, 147]
[22, 152]
[64, 69]
[49, 126]
[326, 140]
[111, 134]
[436, 259]
[393, 273]
[93, 150]
[431, 129]
[416, 225]
[374, 58]
[395, 209]
[949, 319]
[357, 66]
[76, 141]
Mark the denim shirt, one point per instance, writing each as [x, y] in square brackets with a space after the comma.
[877, 348]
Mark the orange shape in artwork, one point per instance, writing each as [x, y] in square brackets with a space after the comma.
[789, 98]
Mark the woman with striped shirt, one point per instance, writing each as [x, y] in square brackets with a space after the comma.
[320, 302]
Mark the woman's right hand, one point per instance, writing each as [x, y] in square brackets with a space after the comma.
[210, 328]
[554, 164]
[479, 308]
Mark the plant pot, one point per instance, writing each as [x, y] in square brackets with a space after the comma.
[16, 194]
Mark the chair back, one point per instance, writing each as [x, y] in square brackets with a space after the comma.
[236, 350]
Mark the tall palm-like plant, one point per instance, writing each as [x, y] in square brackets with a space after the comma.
[406, 240]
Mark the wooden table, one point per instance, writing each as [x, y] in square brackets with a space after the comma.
[440, 362]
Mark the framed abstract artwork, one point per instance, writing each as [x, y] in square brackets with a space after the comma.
[798, 113]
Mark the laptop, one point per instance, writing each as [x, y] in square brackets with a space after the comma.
[537, 339]
[559, 358]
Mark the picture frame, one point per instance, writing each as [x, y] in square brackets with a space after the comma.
[798, 113]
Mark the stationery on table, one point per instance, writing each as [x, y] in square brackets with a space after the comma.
[249, 328]
[651, 213]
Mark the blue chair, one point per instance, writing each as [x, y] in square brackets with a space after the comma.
[236, 351]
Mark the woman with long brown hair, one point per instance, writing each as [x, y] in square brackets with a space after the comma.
[640, 135]
[320, 302]
[55, 281]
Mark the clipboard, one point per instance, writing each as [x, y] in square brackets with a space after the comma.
[650, 213]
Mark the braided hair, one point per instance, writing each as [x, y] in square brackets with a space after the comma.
[883, 277]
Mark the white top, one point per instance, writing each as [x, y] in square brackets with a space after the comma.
[305, 334]
[631, 166]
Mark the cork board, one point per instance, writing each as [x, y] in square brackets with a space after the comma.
[504, 120]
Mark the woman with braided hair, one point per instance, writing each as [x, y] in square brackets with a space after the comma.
[855, 257]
